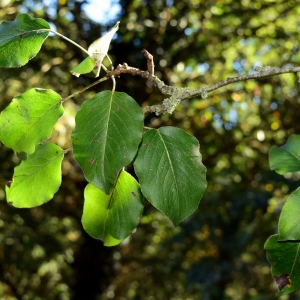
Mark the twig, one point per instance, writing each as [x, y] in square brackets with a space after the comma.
[86, 88]
[70, 41]
[180, 94]
[150, 63]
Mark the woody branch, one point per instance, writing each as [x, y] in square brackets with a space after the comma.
[177, 94]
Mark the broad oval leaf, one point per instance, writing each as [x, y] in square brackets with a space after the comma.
[286, 158]
[37, 178]
[289, 221]
[86, 66]
[106, 137]
[284, 258]
[170, 172]
[29, 119]
[21, 40]
[112, 217]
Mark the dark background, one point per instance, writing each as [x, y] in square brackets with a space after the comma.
[217, 253]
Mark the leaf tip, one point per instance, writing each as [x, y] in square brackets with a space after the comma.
[75, 74]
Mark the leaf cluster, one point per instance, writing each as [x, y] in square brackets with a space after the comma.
[108, 136]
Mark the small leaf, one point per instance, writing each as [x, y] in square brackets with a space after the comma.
[170, 172]
[99, 48]
[289, 221]
[29, 119]
[106, 137]
[86, 66]
[286, 158]
[113, 217]
[284, 258]
[36, 179]
[21, 40]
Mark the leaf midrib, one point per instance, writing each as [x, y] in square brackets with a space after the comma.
[106, 137]
[38, 169]
[32, 124]
[171, 165]
[22, 33]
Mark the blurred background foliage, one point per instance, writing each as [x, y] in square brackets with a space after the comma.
[217, 253]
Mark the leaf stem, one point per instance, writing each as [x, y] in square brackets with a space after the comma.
[112, 77]
[81, 91]
[68, 150]
[72, 42]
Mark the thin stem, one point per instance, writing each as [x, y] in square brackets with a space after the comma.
[104, 68]
[68, 150]
[112, 77]
[114, 84]
[112, 67]
[72, 42]
[86, 88]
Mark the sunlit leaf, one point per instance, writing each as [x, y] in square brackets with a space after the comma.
[284, 258]
[86, 66]
[170, 172]
[37, 178]
[29, 119]
[286, 158]
[113, 217]
[21, 40]
[106, 137]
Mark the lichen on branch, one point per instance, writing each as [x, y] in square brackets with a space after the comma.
[179, 94]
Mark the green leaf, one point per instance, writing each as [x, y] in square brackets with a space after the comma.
[286, 158]
[86, 66]
[29, 119]
[106, 137]
[36, 179]
[21, 40]
[170, 172]
[284, 258]
[289, 221]
[113, 217]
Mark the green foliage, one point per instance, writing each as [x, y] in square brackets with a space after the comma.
[224, 239]
[285, 261]
[283, 249]
[29, 119]
[113, 217]
[106, 137]
[170, 158]
[286, 158]
[37, 178]
[86, 66]
[289, 222]
[21, 40]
